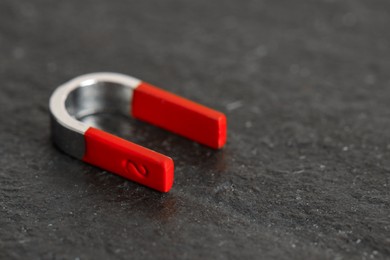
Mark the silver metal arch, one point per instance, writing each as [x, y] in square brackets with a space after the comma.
[87, 95]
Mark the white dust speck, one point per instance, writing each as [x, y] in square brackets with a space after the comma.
[234, 105]
[248, 124]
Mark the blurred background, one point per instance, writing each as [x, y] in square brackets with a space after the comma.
[305, 174]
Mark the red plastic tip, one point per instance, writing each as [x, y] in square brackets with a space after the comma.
[128, 160]
[179, 115]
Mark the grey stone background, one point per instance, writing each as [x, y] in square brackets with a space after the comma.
[306, 170]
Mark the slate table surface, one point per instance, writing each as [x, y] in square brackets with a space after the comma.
[305, 173]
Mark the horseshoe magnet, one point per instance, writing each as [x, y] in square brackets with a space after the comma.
[111, 92]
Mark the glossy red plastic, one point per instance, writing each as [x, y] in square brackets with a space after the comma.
[179, 115]
[128, 160]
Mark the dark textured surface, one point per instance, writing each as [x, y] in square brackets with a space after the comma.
[305, 173]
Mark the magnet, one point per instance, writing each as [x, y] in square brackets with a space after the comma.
[117, 93]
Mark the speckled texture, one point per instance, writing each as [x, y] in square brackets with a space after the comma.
[306, 170]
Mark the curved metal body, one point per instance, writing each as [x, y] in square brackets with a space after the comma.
[87, 95]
